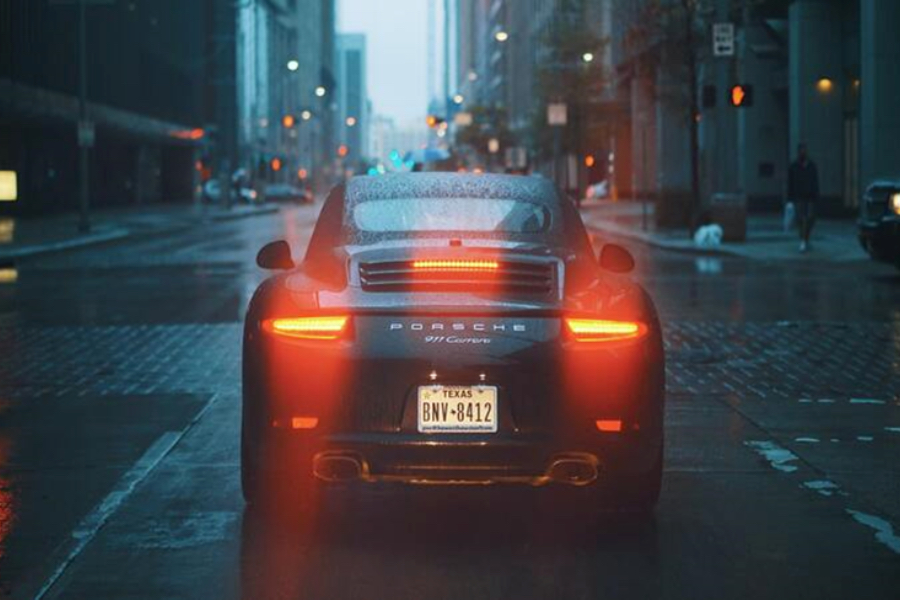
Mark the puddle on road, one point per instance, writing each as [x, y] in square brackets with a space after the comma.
[884, 531]
[176, 532]
[822, 486]
[777, 456]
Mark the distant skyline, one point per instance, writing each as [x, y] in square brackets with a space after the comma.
[396, 38]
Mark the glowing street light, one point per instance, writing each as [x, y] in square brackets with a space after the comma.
[458, 99]
[351, 121]
[306, 115]
[501, 36]
[320, 91]
[588, 57]
[293, 64]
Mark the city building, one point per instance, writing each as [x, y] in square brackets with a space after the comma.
[150, 108]
[390, 142]
[285, 59]
[353, 106]
[820, 72]
[175, 93]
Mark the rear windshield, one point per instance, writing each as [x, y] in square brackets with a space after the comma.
[450, 215]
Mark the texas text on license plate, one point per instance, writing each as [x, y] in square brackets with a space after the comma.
[457, 409]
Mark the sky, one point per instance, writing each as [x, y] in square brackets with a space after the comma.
[396, 32]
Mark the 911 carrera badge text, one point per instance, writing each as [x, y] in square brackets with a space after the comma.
[455, 339]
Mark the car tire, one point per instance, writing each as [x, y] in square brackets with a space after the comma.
[289, 487]
[640, 493]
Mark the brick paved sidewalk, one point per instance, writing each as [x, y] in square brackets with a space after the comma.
[832, 240]
[27, 236]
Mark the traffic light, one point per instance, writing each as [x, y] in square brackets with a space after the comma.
[434, 121]
[741, 95]
[288, 121]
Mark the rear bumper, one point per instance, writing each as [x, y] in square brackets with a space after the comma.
[498, 459]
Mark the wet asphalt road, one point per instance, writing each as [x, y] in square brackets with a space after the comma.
[119, 418]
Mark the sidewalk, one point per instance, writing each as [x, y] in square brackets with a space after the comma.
[27, 236]
[832, 240]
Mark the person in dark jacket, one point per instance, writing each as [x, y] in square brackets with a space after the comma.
[803, 191]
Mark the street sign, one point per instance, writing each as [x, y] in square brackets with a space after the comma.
[723, 39]
[86, 134]
[557, 114]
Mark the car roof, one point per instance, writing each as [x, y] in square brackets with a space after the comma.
[451, 185]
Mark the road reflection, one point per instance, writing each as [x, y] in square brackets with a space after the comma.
[446, 543]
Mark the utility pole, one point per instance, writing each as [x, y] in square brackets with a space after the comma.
[447, 59]
[84, 128]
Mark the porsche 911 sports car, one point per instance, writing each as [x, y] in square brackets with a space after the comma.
[452, 329]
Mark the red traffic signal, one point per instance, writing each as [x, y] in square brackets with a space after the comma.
[741, 95]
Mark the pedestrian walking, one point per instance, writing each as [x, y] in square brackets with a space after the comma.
[803, 191]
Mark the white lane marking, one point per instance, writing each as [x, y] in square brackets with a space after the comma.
[89, 526]
[825, 401]
[806, 440]
[892, 429]
[865, 438]
[822, 486]
[884, 532]
[805, 401]
[777, 456]
[865, 401]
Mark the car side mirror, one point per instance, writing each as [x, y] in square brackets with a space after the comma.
[616, 259]
[275, 255]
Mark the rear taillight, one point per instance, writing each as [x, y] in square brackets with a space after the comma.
[326, 327]
[604, 330]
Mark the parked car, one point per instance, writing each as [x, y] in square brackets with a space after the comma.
[285, 192]
[879, 221]
[212, 192]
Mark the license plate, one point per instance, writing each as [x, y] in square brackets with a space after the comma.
[457, 409]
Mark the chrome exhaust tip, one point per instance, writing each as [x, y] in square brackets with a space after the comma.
[334, 467]
[573, 470]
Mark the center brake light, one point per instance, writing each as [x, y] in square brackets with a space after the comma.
[456, 265]
[604, 330]
[325, 327]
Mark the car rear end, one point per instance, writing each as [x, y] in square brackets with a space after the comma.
[451, 361]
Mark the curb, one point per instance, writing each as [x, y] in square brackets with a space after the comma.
[119, 235]
[80, 242]
[232, 216]
[674, 247]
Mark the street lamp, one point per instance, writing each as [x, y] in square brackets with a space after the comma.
[458, 99]
[293, 64]
[306, 115]
[588, 57]
[501, 36]
[351, 121]
[320, 91]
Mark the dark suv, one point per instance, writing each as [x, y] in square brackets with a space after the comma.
[879, 221]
